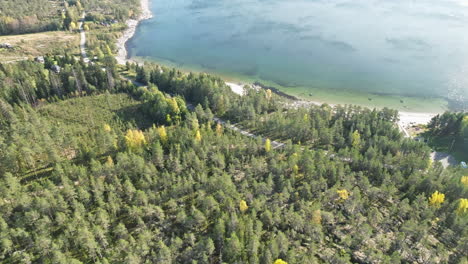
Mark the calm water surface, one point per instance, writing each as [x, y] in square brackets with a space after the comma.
[400, 47]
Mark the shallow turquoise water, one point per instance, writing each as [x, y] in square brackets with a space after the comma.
[416, 48]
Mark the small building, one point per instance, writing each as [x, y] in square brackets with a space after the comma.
[420, 139]
[463, 165]
[56, 68]
[40, 59]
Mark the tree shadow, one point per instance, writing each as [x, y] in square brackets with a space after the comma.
[135, 115]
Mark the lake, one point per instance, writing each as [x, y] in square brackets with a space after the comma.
[409, 55]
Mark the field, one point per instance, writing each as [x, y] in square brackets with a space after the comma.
[78, 119]
[117, 110]
[38, 44]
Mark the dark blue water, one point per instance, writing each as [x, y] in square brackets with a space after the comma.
[398, 47]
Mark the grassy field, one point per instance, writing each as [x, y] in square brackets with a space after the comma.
[91, 112]
[38, 44]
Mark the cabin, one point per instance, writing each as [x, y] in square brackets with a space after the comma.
[40, 59]
[463, 165]
[56, 68]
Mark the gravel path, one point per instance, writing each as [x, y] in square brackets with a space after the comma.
[83, 38]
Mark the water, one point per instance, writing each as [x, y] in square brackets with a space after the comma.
[403, 50]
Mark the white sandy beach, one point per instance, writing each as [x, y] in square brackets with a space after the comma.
[407, 119]
[236, 88]
[132, 24]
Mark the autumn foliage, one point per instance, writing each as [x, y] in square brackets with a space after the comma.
[267, 145]
[243, 206]
[343, 194]
[135, 139]
[436, 199]
[462, 206]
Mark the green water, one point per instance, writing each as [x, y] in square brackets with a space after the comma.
[409, 55]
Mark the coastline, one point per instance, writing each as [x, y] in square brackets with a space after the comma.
[407, 119]
[132, 24]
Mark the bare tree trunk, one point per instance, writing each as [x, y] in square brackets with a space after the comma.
[55, 84]
[110, 79]
[23, 93]
[78, 83]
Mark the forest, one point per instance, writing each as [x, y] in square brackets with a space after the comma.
[99, 168]
[30, 16]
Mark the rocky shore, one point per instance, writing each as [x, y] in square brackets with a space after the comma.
[122, 54]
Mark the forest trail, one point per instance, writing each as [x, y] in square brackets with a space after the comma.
[274, 144]
[191, 107]
[83, 38]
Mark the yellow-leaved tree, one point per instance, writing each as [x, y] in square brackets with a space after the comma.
[219, 129]
[462, 206]
[72, 26]
[437, 199]
[268, 94]
[464, 180]
[243, 206]
[108, 50]
[174, 106]
[135, 139]
[107, 128]
[317, 217]
[109, 161]
[162, 133]
[198, 136]
[280, 261]
[295, 169]
[356, 139]
[267, 145]
[343, 194]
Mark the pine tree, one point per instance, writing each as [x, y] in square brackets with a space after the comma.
[233, 249]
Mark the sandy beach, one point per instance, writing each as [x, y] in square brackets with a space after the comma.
[407, 119]
[132, 24]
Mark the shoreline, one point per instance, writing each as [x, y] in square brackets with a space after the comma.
[132, 24]
[407, 119]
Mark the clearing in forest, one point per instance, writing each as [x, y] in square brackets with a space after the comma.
[37, 44]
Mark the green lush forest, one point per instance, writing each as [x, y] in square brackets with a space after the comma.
[98, 168]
